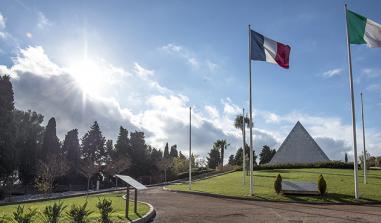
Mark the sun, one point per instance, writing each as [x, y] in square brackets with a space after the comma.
[88, 76]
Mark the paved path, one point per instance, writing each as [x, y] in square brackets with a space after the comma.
[179, 207]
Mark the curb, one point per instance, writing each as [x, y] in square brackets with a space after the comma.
[148, 217]
[261, 200]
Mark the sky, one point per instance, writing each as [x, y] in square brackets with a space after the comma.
[142, 64]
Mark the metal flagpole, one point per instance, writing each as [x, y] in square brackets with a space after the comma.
[355, 166]
[363, 138]
[251, 122]
[190, 148]
[243, 146]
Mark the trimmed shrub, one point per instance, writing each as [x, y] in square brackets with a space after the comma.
[52, 213]
[278, 184]
[330, 164]
[105, 208]
[78, 214]
[21, 216]
[322, 185]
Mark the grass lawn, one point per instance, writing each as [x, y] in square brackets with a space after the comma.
[118, 205]
[340, 185]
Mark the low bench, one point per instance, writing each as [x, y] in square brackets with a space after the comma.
[301, 188]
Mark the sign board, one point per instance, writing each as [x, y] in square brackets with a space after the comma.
[132, 182]
[290, 187]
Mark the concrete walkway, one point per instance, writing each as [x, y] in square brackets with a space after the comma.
[179, 207]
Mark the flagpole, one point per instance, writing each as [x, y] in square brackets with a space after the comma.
[190, 148]
[251, 122]
[243, 146]
[363, 138]
[355, 166]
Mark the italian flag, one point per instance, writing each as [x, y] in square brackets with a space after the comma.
[362, 30]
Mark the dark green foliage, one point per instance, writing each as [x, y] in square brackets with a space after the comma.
[266, 154]
[7, 129]
[139, 155]
[93, 145]
[72, 149]
[231, 160]
[278, 184]
[322, 185]
[181, 156]
[105, 209]
[329, 164]
[346, 158]
[166, 151]
[53, 213]
[173, 152]
[29, 133]
[213, 158]
[109, 149]
[78, 214]
[221, 144]
[238, 121]
[123, 146]
[22, 216]
[195, 172]
[50, 144]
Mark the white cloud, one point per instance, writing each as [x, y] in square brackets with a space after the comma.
[374, 87]
[194, 60]
[29, 35]
[332, 73]
[2, 21]
[142, 71]
[34, 60]
[371, 72]
[42, 22]
[230, 108]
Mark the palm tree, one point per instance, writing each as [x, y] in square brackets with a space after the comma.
[238, 121]
[222, 145]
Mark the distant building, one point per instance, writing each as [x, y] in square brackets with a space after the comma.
[299, 147]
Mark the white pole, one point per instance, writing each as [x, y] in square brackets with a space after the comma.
[190, 148]
[243, 146]
[355, 166]
[363, 137]
[251, 122]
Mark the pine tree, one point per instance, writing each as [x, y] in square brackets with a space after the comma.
[123, 146]
[173, 152]
[231, 160]
[93, 145]
[50, 144]
[109, 151]
[214, 158]
[29, 133]
[266, 155]
[7, 128]
[73, 151]
[139, 155]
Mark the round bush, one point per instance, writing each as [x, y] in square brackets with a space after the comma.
[278, 184]
[322, 185]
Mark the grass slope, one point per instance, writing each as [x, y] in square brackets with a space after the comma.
[340, 185]
[118, 205]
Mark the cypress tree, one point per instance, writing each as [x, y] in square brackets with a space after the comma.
[122, 146]
[166, 151]
[72, 148]
[7, 128]
[50, 144]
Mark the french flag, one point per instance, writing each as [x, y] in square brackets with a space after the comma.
[265, 49]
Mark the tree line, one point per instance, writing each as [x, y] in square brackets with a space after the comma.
[32, 154]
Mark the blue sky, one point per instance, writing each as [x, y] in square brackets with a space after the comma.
[147, 61]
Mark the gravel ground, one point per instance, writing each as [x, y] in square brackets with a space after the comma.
[180, 207]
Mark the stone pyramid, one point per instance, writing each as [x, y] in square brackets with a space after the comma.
[299, 147]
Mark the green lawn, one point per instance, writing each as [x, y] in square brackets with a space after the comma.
[118, 205]
[340, 185]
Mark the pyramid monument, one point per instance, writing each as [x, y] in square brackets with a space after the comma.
[299, 147]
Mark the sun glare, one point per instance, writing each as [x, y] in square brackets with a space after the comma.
[88, 76]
